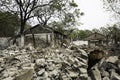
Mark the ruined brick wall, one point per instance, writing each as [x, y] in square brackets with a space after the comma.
[4, 42]
[42, 40]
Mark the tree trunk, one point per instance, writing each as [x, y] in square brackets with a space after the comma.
[22, 32]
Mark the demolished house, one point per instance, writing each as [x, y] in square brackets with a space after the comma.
[44, 36]
[40, 36]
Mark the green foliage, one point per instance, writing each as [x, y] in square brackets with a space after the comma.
[8, 24]
[64, 12]
[95, 30]
[57, 5]
[112, 33]
[73, 4]
[80, 34]
[74, 35]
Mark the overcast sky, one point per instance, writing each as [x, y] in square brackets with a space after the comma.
[95, 16]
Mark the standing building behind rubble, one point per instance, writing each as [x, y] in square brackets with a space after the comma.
[96, 39]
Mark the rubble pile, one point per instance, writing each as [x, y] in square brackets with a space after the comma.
[70, 63]
[106, 69]
[43, 64]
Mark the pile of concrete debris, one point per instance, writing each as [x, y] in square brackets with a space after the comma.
[107, 68]
[43, 64]
[57, 64]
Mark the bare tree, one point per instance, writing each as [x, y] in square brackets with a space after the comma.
[113, 6]
[23, 8]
